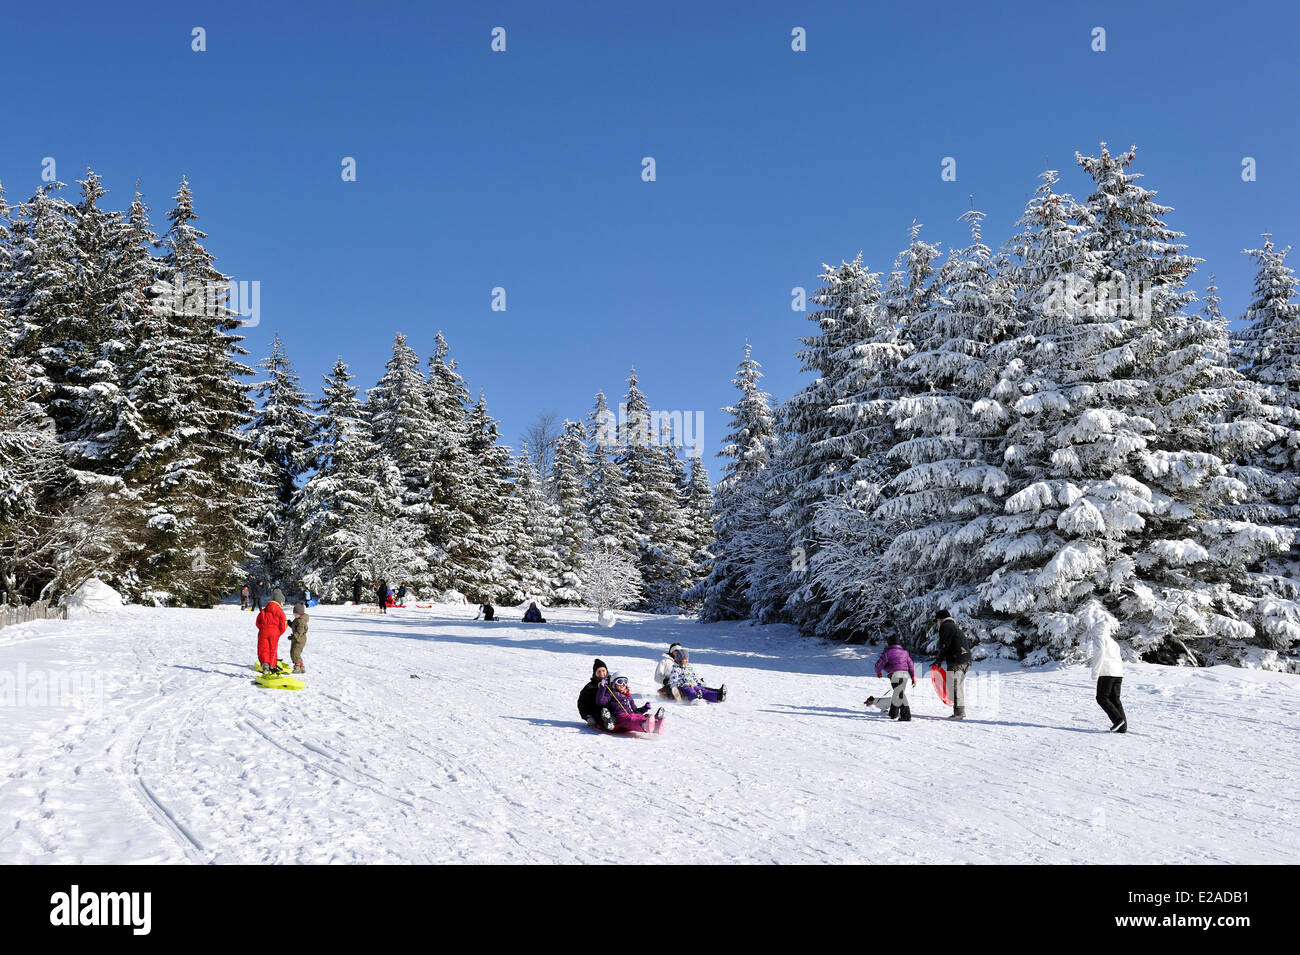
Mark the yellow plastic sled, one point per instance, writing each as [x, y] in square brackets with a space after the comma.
[278, 681]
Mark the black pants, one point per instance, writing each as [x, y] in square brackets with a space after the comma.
[1108, 697]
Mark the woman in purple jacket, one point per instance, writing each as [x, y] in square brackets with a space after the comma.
[896, 662]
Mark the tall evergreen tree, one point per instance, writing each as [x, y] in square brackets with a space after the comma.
[817, 459]
[490, 541]
[195, 471]
[333, 508]
[398, 412]
[450, 470]
[748, 448]
[536, 561]
[698, 538]
[948, 492]
[654, 499]
[570, 477]
[609, 511]
[281, 434]
[1268, 352]
[1114, 483]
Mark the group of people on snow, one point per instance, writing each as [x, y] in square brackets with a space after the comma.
[953, 656]
[251, 595]
[533, 614]
[607, 701]
[271, 626]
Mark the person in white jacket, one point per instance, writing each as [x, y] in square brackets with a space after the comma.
[665, 667]
[1108, 671]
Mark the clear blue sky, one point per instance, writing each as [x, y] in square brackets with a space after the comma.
[523, 169]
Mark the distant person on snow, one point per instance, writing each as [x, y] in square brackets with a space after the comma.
[270, 627]
[618, 709]
[665, 668]
[401, 595]
[243, 597]
[685, 683]
[1108, 671]
[381, 595]
[954, 656]
[356, 590]
[257, 594]
[487, 612]
[533, 615]
[897, 663]
[299, 625]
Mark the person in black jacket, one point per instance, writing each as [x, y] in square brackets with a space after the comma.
[381, 596]
[356, 590]
[954, 656]
[587, 707]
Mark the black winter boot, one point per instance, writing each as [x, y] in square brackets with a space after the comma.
[905, 715]
[893, 712]
[607, 720]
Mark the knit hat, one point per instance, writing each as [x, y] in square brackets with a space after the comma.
[299, 608]
[597, 665]
[942, 614]
[278, 596]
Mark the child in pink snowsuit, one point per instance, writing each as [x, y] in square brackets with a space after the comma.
[615, 695]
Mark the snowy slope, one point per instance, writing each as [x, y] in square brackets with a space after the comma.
[425, 737]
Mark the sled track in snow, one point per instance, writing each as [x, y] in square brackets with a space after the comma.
[152, 804]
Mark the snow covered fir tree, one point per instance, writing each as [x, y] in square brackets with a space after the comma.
[1047, 440]
[134, 448]
[1052, 437]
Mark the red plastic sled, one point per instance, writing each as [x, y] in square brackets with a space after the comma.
[939, 677]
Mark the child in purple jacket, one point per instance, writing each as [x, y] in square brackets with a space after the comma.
[618, 710]
[896, 662]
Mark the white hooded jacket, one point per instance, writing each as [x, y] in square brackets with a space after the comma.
[1106, 660]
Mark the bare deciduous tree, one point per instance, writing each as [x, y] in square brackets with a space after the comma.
[539, 440]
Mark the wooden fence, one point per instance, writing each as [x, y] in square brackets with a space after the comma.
[41, 610]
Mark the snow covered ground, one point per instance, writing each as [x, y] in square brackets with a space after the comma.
[424, 737]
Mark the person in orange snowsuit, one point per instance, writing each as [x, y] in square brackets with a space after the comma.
[271, 624]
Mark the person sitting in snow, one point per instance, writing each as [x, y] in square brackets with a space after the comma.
[533, 615]
[487, 612]
[665, 668]
[587, 707]
[685, 684]
[619, 710]
[897, 663]
[401, 595]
